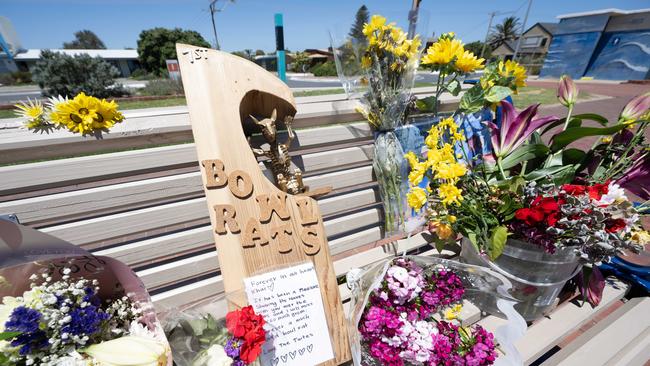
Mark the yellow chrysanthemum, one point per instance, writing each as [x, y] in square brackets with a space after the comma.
[77, 114]
[107, 114]
[468, 62]
[443, 52]
[416, 198]
[513, 69]
[442, 230]
[30, 110]
[417, 173]
[453, 312]
[641, 237]
[376, 23]
[411, 158]
[366, 62]
[450, 171]
[433, 137]
[450, 194]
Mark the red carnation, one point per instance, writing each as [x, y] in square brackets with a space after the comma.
[531, 216]
[548, 205]
[252, 346]
[240, 322]
[615, 225]
[574, 189]
[598, 190]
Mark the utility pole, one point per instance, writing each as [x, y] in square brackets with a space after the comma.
[487, 34]
[213, 9]
[523, 28]
[413, 18]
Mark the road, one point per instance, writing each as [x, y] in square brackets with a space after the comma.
[13, 94]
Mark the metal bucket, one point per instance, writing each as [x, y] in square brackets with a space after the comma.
[537, 276]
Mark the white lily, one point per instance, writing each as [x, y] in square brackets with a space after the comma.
[128, 351]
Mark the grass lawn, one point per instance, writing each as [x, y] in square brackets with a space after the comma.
[136, 104]
[545, 96]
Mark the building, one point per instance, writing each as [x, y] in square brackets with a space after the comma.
[126, 61]
[534, 43]
[610, 44]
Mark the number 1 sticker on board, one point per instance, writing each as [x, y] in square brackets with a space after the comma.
[296, 330]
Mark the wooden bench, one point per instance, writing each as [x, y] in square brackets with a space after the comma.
[146, 207]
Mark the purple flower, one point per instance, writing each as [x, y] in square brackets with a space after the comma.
[515, 128]
[26, 321]
[232, 348]
[635, 108]
[567, 92]
[85, 321]
[637, 178]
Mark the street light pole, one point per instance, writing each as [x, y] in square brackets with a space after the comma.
[487, 34]
[523, 28]
[413, 18]
[213, 10]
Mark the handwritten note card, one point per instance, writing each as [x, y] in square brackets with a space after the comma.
[296, 329]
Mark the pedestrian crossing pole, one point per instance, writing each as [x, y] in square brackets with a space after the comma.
[279, 47]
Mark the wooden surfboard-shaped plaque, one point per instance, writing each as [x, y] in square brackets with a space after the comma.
[257, 227]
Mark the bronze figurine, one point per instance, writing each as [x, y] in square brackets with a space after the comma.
[285, 179]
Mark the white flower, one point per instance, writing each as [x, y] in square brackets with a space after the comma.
[216, 356]
[129, 350]
[398, 273]
[614, 194]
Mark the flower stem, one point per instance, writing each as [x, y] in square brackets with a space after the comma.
[568, 117]
[503, 174]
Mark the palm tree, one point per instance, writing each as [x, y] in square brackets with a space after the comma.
[505, 31]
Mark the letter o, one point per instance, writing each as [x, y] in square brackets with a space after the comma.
[244, 190]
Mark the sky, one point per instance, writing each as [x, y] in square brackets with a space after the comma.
[248, 24]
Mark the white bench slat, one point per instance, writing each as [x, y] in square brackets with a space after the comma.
[623, 338]
[348, 242]
[549, 331]
[146, 251]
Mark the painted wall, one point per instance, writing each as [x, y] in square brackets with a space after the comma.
[610, 47]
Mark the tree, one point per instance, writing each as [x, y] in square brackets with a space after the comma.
[159, 44]
[85, 40]
[247, 54]
[300, 62]
[503, 32]
[477, 46]
[60, 74]
[260, 53]
[356, 32]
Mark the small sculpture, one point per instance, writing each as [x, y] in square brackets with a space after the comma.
[286, 180]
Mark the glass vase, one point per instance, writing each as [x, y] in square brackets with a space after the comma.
[391, 168]
[537, 277]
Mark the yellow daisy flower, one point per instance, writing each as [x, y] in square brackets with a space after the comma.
[443, 52]
[366, 62]
[467, 62]
[77, 114]
[107, 114]
[513, 69]
[416, 198]
[30, 110]
[376, 23]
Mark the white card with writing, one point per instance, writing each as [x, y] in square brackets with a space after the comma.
[296, 330]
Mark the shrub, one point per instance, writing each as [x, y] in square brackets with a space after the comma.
[142, 74]
[14, 78]
[163, 87]
[327, 68]
[61, 74]
[159, 44]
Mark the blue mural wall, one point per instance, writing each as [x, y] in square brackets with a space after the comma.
[569, 54]
[582, 47]
[622, 56]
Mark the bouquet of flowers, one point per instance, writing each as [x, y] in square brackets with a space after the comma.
[389, 62]
[76, 310]
[198, 339]
[406, 312]
[82, 114]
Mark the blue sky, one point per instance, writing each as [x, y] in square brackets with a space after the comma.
[249, 23]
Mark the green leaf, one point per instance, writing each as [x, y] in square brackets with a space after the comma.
[523, 153]
[573, 156]
[564, 176]
[498, 240]
[472, 100]
[440, 245]
[454, 88]
[566, 137]
[545, 172]
[8, 335]
[497, 93]
[593, 117]
[427, 104]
